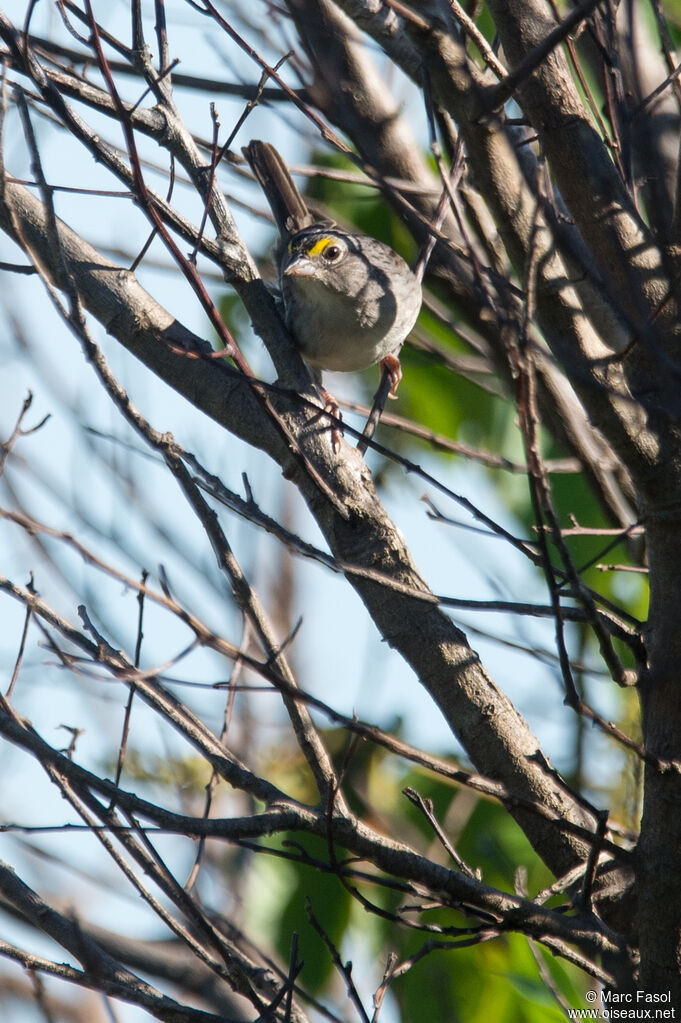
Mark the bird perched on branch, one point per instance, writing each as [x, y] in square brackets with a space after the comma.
[349, 300]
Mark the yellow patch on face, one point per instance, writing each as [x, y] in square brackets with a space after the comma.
[319, 246]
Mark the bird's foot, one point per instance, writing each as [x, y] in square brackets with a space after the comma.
[331, 407]
[391, 364]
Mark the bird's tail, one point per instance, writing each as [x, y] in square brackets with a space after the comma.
[287, 204]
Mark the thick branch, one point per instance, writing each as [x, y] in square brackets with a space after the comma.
[631, 263]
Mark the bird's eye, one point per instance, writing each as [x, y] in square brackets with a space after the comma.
[331, 253]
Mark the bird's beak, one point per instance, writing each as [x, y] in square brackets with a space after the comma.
[300, 266]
